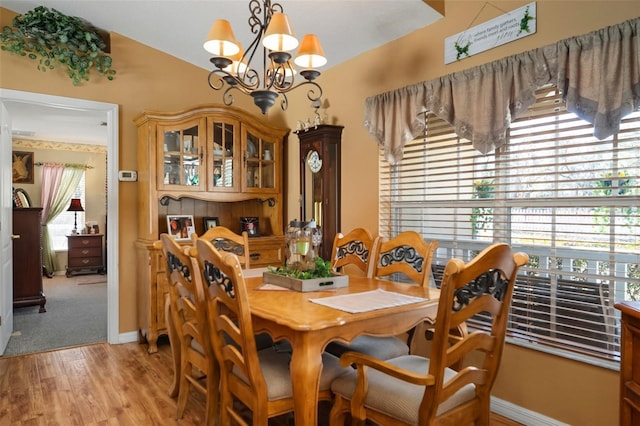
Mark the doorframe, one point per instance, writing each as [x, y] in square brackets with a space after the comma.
[8, 96]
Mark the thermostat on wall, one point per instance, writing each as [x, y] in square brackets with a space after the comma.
[127, 175]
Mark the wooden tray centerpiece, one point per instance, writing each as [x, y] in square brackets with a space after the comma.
[321, 277]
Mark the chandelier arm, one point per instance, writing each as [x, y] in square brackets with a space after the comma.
[217, 83]
[310, 93]
[280, 76]
[240, 84]
[227, 97]
[284, 103]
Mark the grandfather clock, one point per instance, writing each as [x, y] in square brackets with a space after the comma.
[320, 180]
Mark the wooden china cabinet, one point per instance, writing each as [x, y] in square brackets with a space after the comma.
[320, 180]
[207, 161]
[629, 363]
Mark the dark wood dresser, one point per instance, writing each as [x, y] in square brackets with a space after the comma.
[630, 363]
[27, 258]
[85, 254]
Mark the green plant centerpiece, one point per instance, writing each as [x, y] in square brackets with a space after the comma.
[319, 277]
[58, 40]
[321, 269]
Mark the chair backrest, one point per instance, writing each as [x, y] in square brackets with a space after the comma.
[229, 320]
[357, 248]
[483, 286]
[226, 240]
[407, 253]
[188, 317]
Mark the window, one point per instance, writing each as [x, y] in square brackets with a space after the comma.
[567, 199]
[62, 225]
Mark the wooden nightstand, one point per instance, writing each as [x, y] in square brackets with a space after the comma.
[85, 254]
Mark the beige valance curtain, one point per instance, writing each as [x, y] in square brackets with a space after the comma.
[598, 73]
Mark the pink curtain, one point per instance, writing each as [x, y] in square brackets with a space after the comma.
[51, 178]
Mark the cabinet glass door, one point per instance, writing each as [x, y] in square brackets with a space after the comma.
[222, 154]
[260, 163]
[180, 158]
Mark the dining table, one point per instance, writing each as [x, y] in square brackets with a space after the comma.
[309, 325]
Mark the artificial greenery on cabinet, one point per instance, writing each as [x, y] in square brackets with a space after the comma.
[58, 40]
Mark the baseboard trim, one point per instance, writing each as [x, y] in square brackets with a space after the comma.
[522, 415]
[129, 337]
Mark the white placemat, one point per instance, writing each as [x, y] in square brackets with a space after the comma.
[367, 301]
[253, 273]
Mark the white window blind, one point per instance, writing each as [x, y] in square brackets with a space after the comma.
[554, 191]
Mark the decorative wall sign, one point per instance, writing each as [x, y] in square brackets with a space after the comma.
[511, 26]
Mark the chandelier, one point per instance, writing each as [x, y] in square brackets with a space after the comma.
[276, 77]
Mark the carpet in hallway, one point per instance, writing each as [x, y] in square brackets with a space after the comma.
[76, 315]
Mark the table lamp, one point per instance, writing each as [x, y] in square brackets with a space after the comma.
[75, 207]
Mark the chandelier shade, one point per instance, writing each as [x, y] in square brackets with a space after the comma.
[221, 41]
[279, 36]
[310, 53]
[275, 75]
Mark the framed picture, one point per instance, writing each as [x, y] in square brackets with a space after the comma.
[251, 224]
[22, 167]
[180, 227]
[210, 222]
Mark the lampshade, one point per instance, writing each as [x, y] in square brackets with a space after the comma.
[310, 53]
[237, 66]
[221, 41]
[279, 35]
[76, 205]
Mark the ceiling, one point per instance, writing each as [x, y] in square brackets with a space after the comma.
[346, 28]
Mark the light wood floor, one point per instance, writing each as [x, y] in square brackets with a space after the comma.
[99, 384]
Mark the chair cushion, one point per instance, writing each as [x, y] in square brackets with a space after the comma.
[397, 398]
[275, 369]
[378, 347]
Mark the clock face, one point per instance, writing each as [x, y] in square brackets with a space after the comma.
[314, 161]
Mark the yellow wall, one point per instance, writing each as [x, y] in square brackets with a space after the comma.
[147, 79]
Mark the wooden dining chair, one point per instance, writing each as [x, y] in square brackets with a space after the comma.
[198, 367]
[259, 380]
[356, 248]
[226, 240]
[407, 257]
[412, 390]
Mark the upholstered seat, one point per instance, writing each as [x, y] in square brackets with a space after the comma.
[260, 380]
[407, 256]
[414, 390]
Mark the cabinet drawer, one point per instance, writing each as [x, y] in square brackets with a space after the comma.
[266, 257]
[86, 252]
[85, 262]
[85, 241]
[266, 251]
